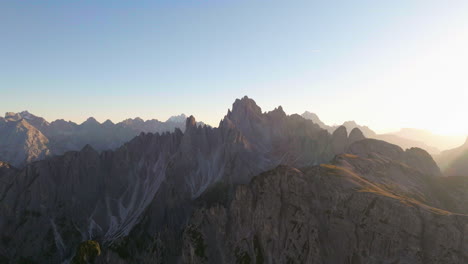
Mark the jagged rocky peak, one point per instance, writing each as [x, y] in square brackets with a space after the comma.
[25, 114]
[139, 120]
[355, 135]
[277, 112]
[340, 132]
[314, 117]
[33, 119]
[91, 121]
[190, 122]
[10, 116]
[177, 119]
[339, 140]
[245, 106]
[108, 122]
[310, 115]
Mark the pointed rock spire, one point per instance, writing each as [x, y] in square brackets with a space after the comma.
[355, 135]
[245, 106]
[190, 123]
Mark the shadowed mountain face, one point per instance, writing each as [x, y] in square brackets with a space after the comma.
[260, 188]
[148, 183]
[25, 137]
[373, 204]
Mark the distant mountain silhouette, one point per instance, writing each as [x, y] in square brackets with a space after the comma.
[438, 141]
[404, 142]
[454, 162]
[25, 137]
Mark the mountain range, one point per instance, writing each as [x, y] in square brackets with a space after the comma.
[262, 187]
[25, 137]
[405, 138]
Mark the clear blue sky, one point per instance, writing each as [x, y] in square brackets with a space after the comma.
[387, 64]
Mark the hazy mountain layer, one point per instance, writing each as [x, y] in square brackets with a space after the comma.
[406, 138]
[25, 137]
[454, 162]
[438, 141]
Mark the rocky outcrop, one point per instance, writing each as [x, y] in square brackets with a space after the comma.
[316, 120]
[340, 139]
[355, 135]
[357, 209]
[52, 205]
[21, 143]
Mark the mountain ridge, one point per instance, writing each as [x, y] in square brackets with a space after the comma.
[60, 136]
[153, 176]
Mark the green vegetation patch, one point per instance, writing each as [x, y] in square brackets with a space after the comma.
[197, 239]
[242, 257]
[87, 252]
[259, 259]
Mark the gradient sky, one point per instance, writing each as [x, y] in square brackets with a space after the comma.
[385, 64]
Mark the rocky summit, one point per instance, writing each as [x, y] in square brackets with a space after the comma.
[262, 187]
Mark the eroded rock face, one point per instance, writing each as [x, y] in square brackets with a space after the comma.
[21, 142]
[145, 189]
[52, 205]
[358, 209]
[189, 197]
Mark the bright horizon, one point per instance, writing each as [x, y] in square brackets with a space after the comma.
[384, 65]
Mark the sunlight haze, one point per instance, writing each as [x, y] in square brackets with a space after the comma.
[384, 65]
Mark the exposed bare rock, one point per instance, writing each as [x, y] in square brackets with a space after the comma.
[358, 209]
[340, 139]
[314, 118]
[355, 135]
[21, 143]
